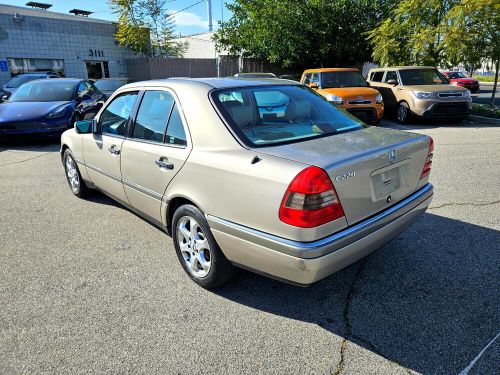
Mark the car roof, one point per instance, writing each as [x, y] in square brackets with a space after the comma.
[402, 68]
[216, 83]
[74, 80]
[319, 70]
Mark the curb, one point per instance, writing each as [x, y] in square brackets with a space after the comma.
[488, 83]
[485, 120]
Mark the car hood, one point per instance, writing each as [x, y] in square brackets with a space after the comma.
[21, 111]
[432, 88]
[352, 92]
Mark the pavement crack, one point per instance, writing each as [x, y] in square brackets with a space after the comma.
[347, 323]
[22, 161]
[464, 204]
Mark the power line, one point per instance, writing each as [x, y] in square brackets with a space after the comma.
[182, 10]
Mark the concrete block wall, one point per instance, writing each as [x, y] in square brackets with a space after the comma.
[69, 39]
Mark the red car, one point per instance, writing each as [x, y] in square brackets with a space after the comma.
[460, 79]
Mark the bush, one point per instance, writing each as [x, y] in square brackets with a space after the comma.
[485, 110]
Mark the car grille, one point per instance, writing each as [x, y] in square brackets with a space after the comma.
[364, 114]
[451, 94]
[359, 102]
[451, 109]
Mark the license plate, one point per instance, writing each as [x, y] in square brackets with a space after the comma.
[386, 182]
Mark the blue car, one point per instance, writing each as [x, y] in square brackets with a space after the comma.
[49, 107]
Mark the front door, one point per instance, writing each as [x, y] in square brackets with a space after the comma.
[156, 150]
[102, 149]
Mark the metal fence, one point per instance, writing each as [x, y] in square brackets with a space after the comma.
[144, 68]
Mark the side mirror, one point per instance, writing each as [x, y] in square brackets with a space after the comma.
[314, 85]
[4, 98]
[85, 126]
[392, 82]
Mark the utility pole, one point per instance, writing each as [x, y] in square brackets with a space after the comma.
[209, 10]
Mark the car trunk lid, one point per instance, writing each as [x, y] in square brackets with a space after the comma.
[371, 168]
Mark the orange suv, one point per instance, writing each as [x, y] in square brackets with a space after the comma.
[346, 88]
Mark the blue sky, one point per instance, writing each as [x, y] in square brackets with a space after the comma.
[190, 21]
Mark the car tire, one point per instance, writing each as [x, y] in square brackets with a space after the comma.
[403, 113]
[196, 248]
[73, 175]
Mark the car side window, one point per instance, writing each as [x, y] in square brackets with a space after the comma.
[115, 116]
[307, 78]
[152, 116]
[391, 75]
[315, 78]
[175, 129]
[377, 76]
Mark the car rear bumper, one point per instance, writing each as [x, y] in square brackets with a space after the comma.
[307, 262]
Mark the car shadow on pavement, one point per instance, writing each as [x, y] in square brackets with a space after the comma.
[428, 300]
[30, 144]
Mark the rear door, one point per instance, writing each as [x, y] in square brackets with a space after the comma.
[102, 149]
[156, 149]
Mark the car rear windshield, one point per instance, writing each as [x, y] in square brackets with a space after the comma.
[17, 81]
[109, 84]
[342, 79]
[271, 115]
[44, 91]
[456, 75]
[411, 77]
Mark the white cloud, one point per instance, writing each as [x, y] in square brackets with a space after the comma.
[189, 19]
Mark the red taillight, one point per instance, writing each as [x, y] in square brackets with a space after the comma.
[428, 162]
[310, 200]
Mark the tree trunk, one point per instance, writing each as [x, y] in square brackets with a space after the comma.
[492, 102]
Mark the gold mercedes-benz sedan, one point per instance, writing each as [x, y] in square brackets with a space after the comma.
[261, 174]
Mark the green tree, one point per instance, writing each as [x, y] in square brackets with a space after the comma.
[301, 33]
[473, 34]
[145, 26]
[413, 34]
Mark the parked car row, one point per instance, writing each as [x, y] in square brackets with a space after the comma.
[35, 104]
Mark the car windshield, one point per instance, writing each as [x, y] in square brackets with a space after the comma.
[109, 84]
[44, 91]
[456, 75]
[17, 81]
[411, 77]
[342, 79]
[270, 115]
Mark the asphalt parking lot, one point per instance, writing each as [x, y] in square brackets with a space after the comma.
[88, 287]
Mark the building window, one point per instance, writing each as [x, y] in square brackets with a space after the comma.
[97, 69]
[18, 66]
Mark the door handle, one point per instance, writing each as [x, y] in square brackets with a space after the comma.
[163, 163]
[114, 150]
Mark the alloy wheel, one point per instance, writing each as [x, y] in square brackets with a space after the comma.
[72, 174]
[194, 247]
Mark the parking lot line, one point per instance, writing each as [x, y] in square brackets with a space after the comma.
[466, 370]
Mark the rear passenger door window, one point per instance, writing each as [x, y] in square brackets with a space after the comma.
[152, 116]
[391, 75]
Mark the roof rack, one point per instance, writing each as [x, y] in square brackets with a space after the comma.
[80, 12]
[36, 5]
